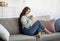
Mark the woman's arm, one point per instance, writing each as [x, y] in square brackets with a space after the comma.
[25, 22]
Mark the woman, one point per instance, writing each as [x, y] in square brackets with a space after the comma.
[28, 27]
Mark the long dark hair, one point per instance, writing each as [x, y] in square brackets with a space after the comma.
[19, 20]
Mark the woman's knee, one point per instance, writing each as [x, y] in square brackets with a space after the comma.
[38, 21]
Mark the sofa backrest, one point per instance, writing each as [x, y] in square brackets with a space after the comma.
[11, 24]
[46, 17]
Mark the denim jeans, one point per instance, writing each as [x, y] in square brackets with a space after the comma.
[36, 27]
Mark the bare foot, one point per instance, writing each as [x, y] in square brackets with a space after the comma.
[47, 31]
[38, 35]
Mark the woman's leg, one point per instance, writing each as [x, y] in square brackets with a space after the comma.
[40, 29]
[32, 30]
[47, 31]
[43, 28]
[37, 26]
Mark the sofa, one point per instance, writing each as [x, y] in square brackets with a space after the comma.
[11, 24]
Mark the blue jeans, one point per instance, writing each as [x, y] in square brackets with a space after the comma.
[35, 28]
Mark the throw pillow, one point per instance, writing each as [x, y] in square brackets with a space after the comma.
[4, 34]
[57, 25]
[49, 25]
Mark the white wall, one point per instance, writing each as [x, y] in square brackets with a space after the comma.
[38, 7]
[13, 9]
[42, 7]
[45, 7]
[57, 14]
[14, 3]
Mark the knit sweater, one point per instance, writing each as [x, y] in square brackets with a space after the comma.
[26, 21]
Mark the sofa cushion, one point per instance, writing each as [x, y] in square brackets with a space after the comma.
[49, 25]
[49, 37]
[44, 37]
[57, 25]
[4, 34]
[20, 37]
[11, 24]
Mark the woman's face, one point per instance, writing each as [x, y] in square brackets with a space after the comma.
[27, 12]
